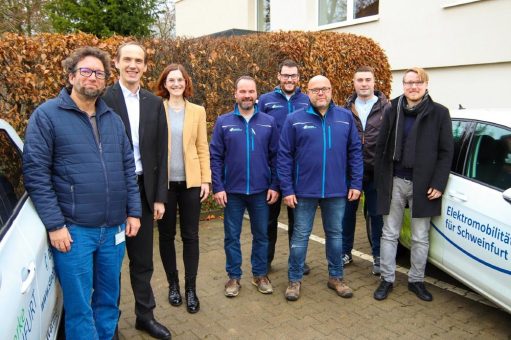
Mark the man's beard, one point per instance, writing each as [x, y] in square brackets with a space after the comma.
[247, 105]
[89, 93]
[283, 88]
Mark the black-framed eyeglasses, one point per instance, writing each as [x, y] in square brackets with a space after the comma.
[289, 76]
[87, 72]
[322, 90]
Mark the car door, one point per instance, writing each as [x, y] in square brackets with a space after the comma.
[461, 131]
[30, 297]
[476, 218]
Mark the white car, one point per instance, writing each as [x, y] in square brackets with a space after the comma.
[471, 240]
[30, 295]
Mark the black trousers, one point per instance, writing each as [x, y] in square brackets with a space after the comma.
[140, 254]
[273, 225]
[188, 202]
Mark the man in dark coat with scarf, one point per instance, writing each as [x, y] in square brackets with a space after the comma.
[413, 158]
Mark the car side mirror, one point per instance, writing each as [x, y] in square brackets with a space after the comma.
[507, 195]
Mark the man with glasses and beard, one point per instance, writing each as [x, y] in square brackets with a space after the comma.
[279, 103]
[243, 153]
[319, 163]
[79, 171]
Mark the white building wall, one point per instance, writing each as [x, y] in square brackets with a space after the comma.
[465, 48]
[195, 18]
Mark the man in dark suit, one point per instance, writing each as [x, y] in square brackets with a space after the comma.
[143, 115]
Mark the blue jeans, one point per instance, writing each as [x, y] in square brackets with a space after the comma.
[332, 211]
[350, 219]
[258, 211]
[89, 275]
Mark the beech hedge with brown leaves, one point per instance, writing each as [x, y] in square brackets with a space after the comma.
[31, 70]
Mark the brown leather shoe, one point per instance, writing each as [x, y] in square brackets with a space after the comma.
[263, 284]
[293, 291]
[340, 287]
[232, 287]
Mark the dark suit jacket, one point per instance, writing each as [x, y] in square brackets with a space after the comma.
[153, 139]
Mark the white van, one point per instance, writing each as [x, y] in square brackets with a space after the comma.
[471, 240]
[30, 296]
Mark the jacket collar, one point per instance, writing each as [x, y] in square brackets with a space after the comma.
[66, 102]
[237, 110]
[278, 90]
[311, 110]
[351, 99]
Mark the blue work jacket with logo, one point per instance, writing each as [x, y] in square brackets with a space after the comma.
[244, 153]
[277, 105]
[318, 155]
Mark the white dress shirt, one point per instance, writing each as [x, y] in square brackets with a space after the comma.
[132, 101]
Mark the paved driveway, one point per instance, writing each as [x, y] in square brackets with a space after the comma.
[319, 313]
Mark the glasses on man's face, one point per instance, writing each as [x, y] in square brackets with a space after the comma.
[413, 83]
[289, 76]
[87, 72]
[322, 90]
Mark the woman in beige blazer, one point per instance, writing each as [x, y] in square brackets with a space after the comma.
[189, 180]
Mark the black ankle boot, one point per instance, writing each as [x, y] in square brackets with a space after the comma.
[192, 301]
[174, 293]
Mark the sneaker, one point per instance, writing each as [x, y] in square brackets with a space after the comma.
[420, 290]
[376, 265]
[306, 269]
[383, 290]
[340, 287]
[293, 291]
[263, 284]
[347, 259]
[232, 287]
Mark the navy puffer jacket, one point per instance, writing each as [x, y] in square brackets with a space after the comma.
[69, 176]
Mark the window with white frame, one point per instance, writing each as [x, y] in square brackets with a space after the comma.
[263, 15]
[339, 11]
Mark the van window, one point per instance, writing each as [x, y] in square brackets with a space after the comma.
[489, 158]
[11, 179]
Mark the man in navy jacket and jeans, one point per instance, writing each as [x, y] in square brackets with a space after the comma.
[79, 171]
[279, 103]
[319, 153]
[243, 153]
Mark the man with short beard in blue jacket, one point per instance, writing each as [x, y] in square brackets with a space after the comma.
[319, 154]
[243, 153]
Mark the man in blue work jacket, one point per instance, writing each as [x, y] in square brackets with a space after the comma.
[279, 103]
[243, 160]
[319, 153]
